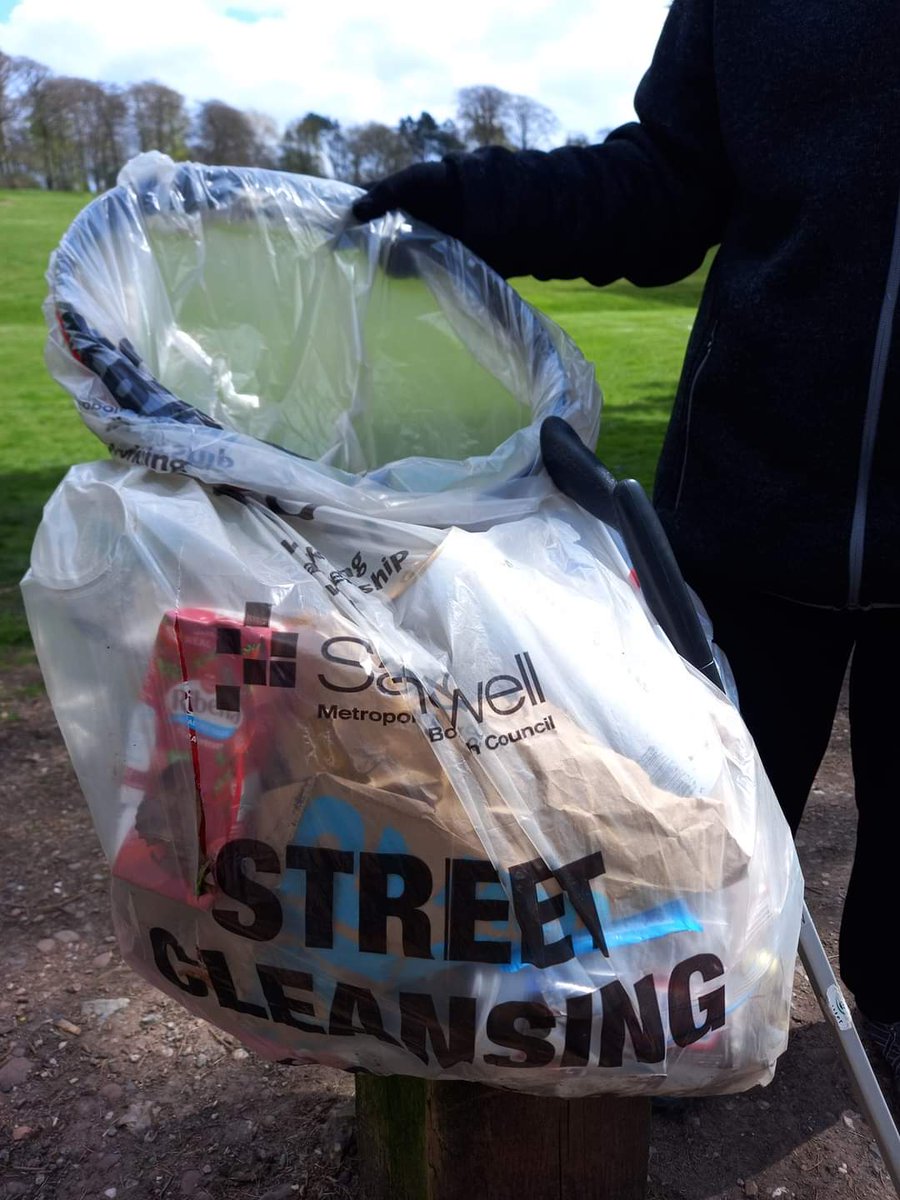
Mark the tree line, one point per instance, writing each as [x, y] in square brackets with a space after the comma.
[68, 134]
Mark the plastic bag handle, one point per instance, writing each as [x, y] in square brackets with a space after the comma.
[226, 191]
[625, 505]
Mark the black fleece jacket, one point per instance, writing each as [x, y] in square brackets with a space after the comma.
[771, 129]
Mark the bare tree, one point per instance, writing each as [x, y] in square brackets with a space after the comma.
[425, 139]
[340, 156]
[529, 122]
[265, 137]
[483, 112]
[159, 118]
[19, 80]
[108, 138]
[84, 100]
[12, 110]
[7, 112]
[79, 128]
[71, 133]
[374, 150]
[57, 134]
[305, 145]
[224, 135]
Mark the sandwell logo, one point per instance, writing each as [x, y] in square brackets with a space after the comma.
[268, 657]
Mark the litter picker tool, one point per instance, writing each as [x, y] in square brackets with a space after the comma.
[624, 505]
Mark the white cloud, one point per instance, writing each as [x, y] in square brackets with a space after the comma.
[354, 61]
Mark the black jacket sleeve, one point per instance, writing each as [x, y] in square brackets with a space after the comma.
[646, 204]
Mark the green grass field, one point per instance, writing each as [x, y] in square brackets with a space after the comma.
[41, 433]
[635, 338]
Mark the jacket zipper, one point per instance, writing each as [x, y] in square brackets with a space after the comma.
[880, 358]
[707, 350]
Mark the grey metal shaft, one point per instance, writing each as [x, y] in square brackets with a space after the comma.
[834, 1006]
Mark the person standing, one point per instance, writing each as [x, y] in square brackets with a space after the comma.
[769, 131]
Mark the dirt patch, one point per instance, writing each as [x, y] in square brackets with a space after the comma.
[110, 1090]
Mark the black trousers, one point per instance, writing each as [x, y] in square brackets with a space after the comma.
[789, 662]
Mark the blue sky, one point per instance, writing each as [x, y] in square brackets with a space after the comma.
[355, 61]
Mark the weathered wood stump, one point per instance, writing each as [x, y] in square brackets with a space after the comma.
[421, 1140]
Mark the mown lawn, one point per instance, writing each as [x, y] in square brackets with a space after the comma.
[635, 338]
[40, 433]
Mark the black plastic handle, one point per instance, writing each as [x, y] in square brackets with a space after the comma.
[625, 505]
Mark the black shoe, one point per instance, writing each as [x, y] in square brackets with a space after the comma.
[885, 1037]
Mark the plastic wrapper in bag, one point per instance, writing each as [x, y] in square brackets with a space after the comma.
[392, 765]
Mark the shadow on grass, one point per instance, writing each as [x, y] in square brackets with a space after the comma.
[580, 296]
[631, 435]
[23, 495]
[685, 294]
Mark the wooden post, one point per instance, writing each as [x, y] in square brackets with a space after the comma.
[422, 1140]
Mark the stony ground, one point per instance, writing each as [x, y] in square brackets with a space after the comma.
[110, 1090]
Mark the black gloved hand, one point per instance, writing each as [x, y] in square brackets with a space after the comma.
[428, 191]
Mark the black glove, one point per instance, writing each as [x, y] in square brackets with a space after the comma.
[428, 191]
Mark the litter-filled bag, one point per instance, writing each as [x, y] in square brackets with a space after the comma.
[393, 766]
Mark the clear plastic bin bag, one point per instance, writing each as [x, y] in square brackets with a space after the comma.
[222, 316]
[393, 767]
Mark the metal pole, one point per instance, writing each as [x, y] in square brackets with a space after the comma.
[834, 1006]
